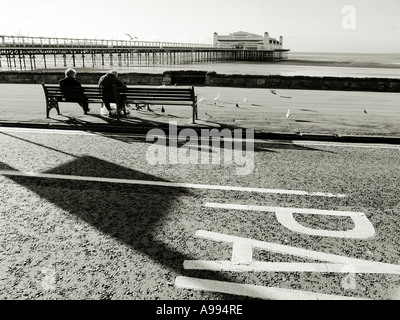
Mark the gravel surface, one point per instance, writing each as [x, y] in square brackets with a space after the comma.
[66, 239]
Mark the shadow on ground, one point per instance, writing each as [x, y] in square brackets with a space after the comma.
[219, 128]
[130, 213]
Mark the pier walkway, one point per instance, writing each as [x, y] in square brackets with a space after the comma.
[30, 53]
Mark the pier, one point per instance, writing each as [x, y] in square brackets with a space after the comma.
[32, 53]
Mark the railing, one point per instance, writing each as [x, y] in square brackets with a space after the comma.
[46, 42]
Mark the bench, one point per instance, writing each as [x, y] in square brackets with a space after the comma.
[54, 95]
[133, 95]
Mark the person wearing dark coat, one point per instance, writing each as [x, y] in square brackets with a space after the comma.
[73, 91]
[106, 83]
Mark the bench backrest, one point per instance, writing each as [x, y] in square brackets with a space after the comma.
[92, 94]
[184, 96]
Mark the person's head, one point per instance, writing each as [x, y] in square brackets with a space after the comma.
[114, 72]
[70, 73]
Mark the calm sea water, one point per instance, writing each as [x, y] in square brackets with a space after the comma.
[299, 63]
[302, 63]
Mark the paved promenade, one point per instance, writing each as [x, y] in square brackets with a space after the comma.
[280, 114]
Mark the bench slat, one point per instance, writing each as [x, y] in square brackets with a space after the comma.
[134, 96]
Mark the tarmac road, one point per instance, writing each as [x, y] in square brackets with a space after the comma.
[87, 216]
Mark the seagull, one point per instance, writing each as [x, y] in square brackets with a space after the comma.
[273, 91]
[162, 109]
[216, 99]
[131, 38]
[365, 111]
[208, 115]
[244, 100]
[237, 106]
[288, 114]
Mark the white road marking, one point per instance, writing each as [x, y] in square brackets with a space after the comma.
[265, 266]
[254, 291]
[45, 131]
[165, 184]
[335, 261]
[332, 144]
[258, 141]
[18, 99]
[295, 142]
[362, 226]
[242, 253]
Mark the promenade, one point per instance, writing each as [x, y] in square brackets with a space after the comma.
[277, 114]
[88, 214]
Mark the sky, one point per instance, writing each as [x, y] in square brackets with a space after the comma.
[362, 26]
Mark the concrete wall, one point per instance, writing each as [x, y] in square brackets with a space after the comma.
[303, 82]
[83, 77]
[203, 78]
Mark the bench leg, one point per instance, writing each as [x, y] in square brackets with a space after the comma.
[119, 107]
[195, 115]
[50, 105]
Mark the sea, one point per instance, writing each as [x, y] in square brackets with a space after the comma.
[362, 65]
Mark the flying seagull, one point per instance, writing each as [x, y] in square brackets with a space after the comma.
[365, 111]
[131, 38]
[237, 106]
[216, 99]
[273, 91]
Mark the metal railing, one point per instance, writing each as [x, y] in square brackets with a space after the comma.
[47, 42]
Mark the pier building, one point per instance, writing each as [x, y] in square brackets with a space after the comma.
[247, 41]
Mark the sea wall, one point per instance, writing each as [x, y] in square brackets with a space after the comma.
[203, 78]
[52, 77]
[303, 82]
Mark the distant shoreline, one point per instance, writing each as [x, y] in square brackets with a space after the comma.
[311, 66]
[299, 62]
[338, 64]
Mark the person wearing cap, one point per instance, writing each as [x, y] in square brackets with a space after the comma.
[73, 91]
[107, 82]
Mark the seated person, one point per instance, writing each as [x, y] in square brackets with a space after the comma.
[106, 83]
[73, 91]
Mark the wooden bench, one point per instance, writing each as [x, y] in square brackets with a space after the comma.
[160, 96]
[54, 95]
[133, 95]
